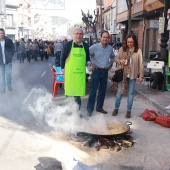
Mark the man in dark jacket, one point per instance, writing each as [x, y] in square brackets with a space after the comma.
[6, 53]
[74, 58]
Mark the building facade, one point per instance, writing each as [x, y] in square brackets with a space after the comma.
[144, 23]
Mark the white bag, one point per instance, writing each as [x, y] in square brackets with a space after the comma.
[76, 165]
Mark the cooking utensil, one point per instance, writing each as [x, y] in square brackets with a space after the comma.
[112, 128]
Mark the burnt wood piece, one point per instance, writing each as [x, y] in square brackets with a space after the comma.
[126, 144]
[89, 142]
[115, 148]
[97, 145]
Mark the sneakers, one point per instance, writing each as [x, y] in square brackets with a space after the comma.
[101, 111]
[115, 112]
[168, 107]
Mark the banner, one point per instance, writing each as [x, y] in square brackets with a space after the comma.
[48, 4]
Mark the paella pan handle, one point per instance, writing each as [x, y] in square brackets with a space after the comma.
[128, 123]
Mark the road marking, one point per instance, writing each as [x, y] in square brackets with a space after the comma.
[43, 74]
[28, 96]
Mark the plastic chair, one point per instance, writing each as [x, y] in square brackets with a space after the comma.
[55, 82]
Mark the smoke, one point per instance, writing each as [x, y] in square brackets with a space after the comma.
[36, 110]
[63, 115]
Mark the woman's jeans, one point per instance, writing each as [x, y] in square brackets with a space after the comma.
[99, 80]
[5, 75]
[130, 94]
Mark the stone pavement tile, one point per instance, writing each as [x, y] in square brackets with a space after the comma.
[158, 99]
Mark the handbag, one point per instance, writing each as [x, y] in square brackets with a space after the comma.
[118, 76]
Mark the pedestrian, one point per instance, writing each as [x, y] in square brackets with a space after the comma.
[74, 56]
[130, 59]
[102, 57]
[35, 49]
[41, 50]
[28, 48]
[7, 51]
[45, 50]
[58, 46]
[21, 51]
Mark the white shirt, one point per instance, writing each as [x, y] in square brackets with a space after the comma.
[3, 51]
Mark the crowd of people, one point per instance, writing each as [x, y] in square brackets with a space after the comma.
[32, 49]
[72, 57]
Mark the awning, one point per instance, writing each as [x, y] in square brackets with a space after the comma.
[151, 5]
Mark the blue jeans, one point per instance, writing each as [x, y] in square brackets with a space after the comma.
[130, 95]
[77, 100]
[21, 57]
[98, 82]
[57, 55]
[5, 75]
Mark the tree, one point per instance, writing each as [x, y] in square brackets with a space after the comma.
[71, 28]
[91, 22]
[129, 6]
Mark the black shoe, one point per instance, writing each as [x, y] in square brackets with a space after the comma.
[128, 114]
[89, 114]
[83, 117]
[102, 111]
[10, 88]
[115, 112]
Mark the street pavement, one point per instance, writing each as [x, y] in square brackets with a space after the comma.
[37, 130]
[157, 98]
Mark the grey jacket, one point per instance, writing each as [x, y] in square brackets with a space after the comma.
[9, 51]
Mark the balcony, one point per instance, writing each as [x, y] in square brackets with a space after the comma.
[12, 4]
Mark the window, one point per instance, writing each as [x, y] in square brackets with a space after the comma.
[9, 20]
[122, 6]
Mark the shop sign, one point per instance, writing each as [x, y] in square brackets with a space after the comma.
[121, 26]
[154, 24]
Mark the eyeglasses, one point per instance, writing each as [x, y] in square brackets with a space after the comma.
[78, 33]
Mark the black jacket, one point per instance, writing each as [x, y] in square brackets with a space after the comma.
[66, 51]
[9, 51]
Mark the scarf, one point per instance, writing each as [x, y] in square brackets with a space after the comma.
[125, 55]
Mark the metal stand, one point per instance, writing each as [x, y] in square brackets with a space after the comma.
[164, 82]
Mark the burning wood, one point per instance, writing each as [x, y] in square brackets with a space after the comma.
[115, 148]
[112, 142]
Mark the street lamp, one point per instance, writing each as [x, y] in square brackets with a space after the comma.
[129, 6]
[164, 40]
[22, 28]
[90, 23]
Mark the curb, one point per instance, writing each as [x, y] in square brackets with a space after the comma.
[161, 110]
